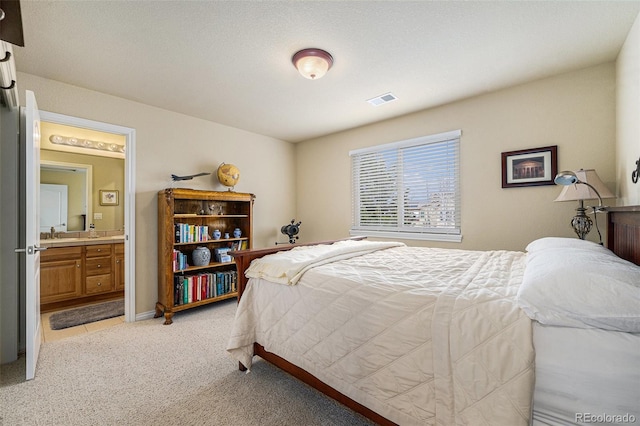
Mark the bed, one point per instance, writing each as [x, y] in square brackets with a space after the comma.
[418, 336]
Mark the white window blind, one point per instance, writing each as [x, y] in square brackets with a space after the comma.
[408, 189]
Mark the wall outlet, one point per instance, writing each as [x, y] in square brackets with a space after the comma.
[97, 216]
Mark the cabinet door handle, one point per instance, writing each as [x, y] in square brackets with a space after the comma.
[99, 284]
[99, 266]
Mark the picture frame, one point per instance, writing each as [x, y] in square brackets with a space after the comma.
[109, 197]
[530, 167]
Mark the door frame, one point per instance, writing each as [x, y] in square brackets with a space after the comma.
[129, 197]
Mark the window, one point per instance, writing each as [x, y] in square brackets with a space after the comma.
[408, 189]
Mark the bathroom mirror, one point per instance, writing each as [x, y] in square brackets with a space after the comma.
[65, 196]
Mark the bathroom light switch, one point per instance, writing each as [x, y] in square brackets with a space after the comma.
[97, 216]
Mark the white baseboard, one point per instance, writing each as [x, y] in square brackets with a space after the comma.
[145, 316]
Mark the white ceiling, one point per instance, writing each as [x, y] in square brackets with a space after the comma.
[230, 61]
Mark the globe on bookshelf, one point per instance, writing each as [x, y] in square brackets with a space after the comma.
[228, 175]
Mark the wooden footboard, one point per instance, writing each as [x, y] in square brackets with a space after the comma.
[315, 383]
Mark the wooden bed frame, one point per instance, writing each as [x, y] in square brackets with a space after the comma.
[623, 238]
[623, 232]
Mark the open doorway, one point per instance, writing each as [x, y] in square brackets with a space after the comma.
[108, 150]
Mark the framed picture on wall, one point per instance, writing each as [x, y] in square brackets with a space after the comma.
[109, 197]
[530, 167]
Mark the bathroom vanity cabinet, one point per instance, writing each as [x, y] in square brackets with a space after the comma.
[76, 274]
[60, 274]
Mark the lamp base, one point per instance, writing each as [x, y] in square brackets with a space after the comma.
[581, 223]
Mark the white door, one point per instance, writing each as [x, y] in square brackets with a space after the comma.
[53, 207]
[32, 232]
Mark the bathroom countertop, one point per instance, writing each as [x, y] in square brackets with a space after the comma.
[82, 241]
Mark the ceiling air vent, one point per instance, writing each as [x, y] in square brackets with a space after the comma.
[382, 99]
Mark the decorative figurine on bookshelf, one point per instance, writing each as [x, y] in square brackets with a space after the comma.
[201, 256]
[221, 254]
[216, 234]
[292, 231]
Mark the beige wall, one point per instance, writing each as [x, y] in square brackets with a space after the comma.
[167, 142]
[575, 111]
[628, 116]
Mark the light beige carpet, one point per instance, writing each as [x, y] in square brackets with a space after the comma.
[146, 373]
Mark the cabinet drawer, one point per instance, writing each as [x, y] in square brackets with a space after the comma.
[98, 250]
[97, 266]
[98, 284]
[61, 253]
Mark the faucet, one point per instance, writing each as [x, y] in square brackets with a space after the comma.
[52, 233]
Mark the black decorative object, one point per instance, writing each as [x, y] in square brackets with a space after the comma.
[291, 230]
[11, 22]
[174, 177]
[636, 173]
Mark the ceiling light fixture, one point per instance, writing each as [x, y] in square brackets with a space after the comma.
[312, 63]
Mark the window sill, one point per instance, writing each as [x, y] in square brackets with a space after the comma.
[407, 235]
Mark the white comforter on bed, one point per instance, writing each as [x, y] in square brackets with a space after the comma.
[421, 336]
[287, 267]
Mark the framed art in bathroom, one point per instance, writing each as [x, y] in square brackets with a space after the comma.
[108, 197]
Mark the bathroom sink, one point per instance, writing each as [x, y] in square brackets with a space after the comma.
[59, 240]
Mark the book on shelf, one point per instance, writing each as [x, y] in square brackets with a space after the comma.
[238, 245]
[179, 261]
[197, 287]
[186, 233]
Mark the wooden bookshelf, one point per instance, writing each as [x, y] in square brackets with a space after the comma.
[187, 219]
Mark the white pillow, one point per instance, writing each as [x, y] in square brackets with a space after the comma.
[546, 243]
[581, 287]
